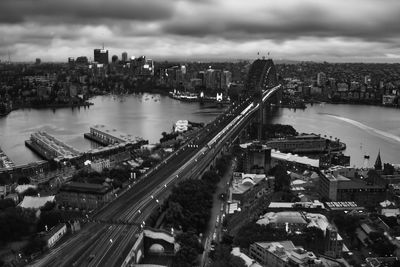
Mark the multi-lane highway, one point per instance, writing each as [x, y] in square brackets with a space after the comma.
[107, 237]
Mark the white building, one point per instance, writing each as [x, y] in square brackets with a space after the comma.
[284, 253]
[100, 164]
[55, 234]
[35, 203]
[181, 126]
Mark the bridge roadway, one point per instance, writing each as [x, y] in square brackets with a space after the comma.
[110, 233]
[97, 238]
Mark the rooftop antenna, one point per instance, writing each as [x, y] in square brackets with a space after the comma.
[103, 45]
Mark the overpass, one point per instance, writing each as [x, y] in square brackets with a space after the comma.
[107, 244]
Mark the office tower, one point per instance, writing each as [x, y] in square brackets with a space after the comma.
[124, 57]
[321, 79]
[101, 56]
[81, 60]
[114, 59]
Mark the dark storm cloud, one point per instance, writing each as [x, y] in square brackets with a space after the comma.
[307, 19]
[13, 11]
[200, 28]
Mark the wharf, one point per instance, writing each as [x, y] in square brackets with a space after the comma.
[50, 147]
[108, 136]
[5, 161]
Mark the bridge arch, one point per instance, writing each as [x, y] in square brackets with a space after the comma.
[261, 75]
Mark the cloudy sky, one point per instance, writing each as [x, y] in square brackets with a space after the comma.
[331, 30]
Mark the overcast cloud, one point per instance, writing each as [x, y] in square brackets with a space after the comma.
[339, 30]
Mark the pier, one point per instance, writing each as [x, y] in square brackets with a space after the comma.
[5, 161]
[50, 148]
[108, 136]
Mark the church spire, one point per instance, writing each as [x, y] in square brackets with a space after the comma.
[378, 162]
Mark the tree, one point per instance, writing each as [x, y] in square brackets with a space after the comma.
[346, 223]
[253, 232]
[30, 192]
[190, 249]
[23, 180]
[195, 198]
[35, 244]
[174, 213]
[6, 203]
[223, 257]
[372, 177]
[15, 223]
[48, 206]
[49, 219]
[388, 169]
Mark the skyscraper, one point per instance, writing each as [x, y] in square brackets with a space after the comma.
[124, 57]
[321, 79]
[114, 59]
[101, 56]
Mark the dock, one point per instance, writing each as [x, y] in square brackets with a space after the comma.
[109, 136]
[5, 161]
[50, 148]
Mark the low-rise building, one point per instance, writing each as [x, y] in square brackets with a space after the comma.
[304, 206]
[257, 158]
[248, 261]
[337, 187]
[83, 195]
[282, 254]
[100, 164]
[306, 143]
[35, 203]
[55, 234]
[278, 157]
[247, 187]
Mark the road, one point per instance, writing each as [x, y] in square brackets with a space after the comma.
[111, 231]
[106, 239]
[217, 215]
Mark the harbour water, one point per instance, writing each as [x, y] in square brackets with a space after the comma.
[144, 115]
[364, 129]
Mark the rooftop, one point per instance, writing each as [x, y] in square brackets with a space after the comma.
[52, 143]
[275, 154]
[295, 217]
[30, 202]
[123, 137]
[246, 181]
[249, 262]
[55, 229]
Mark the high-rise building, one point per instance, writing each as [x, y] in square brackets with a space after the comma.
[333, 243]
[114, 59]
[81, 60]
[257, 158]
[321, 79]
[101, 56]
[124, 57]
[226, 79]
[38, 61]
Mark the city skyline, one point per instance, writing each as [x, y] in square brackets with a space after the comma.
[340, 31]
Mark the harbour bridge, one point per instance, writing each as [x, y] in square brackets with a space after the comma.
[109, 234]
